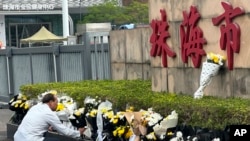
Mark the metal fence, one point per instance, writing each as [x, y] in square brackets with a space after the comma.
[56, 63]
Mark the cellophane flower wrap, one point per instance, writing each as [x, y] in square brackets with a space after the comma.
[65, 108]
[161, 129]
[103, 108]
[90, 113]
[149, 119]
[210, 68]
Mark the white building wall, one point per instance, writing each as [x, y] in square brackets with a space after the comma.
[2, 30]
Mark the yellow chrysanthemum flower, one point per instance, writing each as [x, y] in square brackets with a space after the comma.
[216, 59]
[104, 110]
[22, 97]
[93, 113]
[115, 133]
[60, 107]
[78, 112]
[129, 133]
[151, 136]
[115, 120]
[69, 102]
[130, 109]
[170, 133]
[109, 114]
[144, 122]
[53, 92]
[26, 106]
[121, 131]
[17, 103]
[22, 105]
[212, 55]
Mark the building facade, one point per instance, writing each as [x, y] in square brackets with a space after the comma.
[22, 18]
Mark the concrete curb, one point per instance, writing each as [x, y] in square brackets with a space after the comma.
[5, 117]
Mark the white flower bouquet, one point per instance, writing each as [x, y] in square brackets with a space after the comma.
[149, 119]
[161, 129]
[210, 68]
[65, 109]
[90, 112]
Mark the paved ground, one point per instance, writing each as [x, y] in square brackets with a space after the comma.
[5, 115]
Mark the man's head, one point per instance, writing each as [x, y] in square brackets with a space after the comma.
[51, 100]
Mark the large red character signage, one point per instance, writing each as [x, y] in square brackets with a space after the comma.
[230, 32]
[192, 38]
[159, 37]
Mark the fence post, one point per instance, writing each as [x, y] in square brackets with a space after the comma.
[109, 59]
[9, 71]
[86, 57]
[31, 69]
[56, 62]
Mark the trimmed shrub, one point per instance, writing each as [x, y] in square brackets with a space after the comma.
[209, 112]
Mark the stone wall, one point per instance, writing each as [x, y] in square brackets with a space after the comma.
[131, 58]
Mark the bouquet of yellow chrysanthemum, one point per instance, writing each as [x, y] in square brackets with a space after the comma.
[66, 107]
[122, 133]
[134, 121]
[210, 68]
[115, 125]
[77, 119]
[149, 119]
[20, 104]
[90, 112]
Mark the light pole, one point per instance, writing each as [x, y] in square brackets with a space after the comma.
[65, 14]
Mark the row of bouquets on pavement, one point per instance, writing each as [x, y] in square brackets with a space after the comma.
[104, 123]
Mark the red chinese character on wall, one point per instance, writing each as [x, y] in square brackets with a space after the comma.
[159, 37]
[191, 38]
[230, 32]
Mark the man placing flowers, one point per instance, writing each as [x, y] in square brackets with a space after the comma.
[40, 118]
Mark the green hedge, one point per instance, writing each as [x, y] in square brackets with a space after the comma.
[210, 112]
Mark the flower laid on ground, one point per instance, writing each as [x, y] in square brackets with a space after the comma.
[122, 133]
[90, 113]
[103, 124]
[118, 119]
[151, 136]
[77, 119]
[179, 137]
[134, 121]
[114, 125]
[68, 102]
[161, 129]
[150, 118]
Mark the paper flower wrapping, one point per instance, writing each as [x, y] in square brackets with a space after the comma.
[210, 68]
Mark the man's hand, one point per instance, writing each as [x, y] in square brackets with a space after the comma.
[81, 130]
[50, 128]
